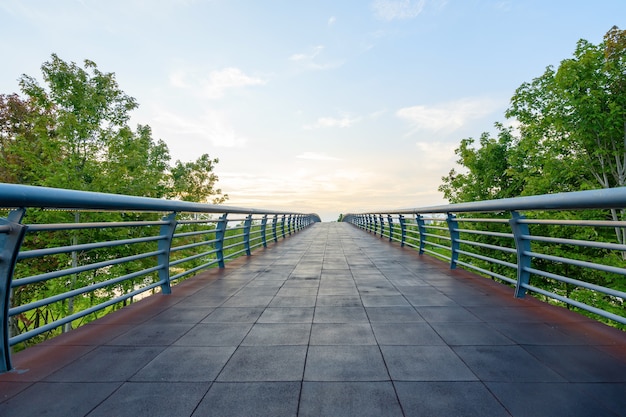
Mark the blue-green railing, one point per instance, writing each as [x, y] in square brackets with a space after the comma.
[101, 250]
[555, 240]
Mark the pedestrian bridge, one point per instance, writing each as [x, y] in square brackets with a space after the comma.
[323, 319]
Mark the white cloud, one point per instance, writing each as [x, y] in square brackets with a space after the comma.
[307, 57]
[314, 156]
[397, 9]
[309, 60]
[214, 85]
[448, 117]
[210, 128]
[328, 122]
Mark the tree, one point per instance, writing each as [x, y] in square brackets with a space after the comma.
[25, 136]
[72, 132]
[89, 109]
[195, 181]
[489, 170]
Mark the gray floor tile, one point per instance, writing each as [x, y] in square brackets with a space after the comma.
[234, 315]
[107, 364]
[287, 315]
[546, 399]
[470, 334]
[305, 301]
[505, 363]
[248, 301]
[393, 315]
[182, 314]
[215, 334]
[609, 395]
[363, 399]
[265, 363]
[406, 334]
[57, 399]
[152, 399]
[185, 364]
[591, 364]
[435, 399]
[339, 301]
[425, 363]
[345, 363]
[270, 399]
[342, 334]
[152, 334]
[278, 334]
[370, 300]
[447, 314]
[340, 315]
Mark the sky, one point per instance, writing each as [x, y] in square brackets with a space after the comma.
[324, 106]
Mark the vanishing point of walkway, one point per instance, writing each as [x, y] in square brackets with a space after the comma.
[330, 322]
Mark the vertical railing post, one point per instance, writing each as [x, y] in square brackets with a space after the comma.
[390, 220]
[10, 242]
[220, 233]
[402, 229]
[421, 226]
[263, 230]
[289, 224]
[382, 225]
[165, 246]
[522, 244]
[274, 224]
[246, 234]
[455, 245]
[282, 226]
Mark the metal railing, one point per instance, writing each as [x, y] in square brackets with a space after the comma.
[565, 247]
[67, 256]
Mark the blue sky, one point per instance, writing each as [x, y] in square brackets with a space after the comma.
[319, 106]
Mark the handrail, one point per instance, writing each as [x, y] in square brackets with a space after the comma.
[79, 253]
[494, 239]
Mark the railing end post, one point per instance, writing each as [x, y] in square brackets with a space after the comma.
[522, 245]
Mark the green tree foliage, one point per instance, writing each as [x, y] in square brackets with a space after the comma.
[489, 169]
[72, 132]
[578, 112]
[572, 136]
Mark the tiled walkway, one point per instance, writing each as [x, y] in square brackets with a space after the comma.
[331, 322]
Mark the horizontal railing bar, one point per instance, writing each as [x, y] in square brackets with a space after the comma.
[488, 246]
[486, 272]
[192, 257]
[194, 233]
[576, 262]
[606, 198]
[480, 220]
[578, 283]
[487, 233]
[69, 294]
[575, 242]
[68, 319]
[578, 304]
[96, 225]
[488, 259]
[15, 196]
[70, 271]
[193, 270]
[192, 245]
[592, 223]
[35, 253]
